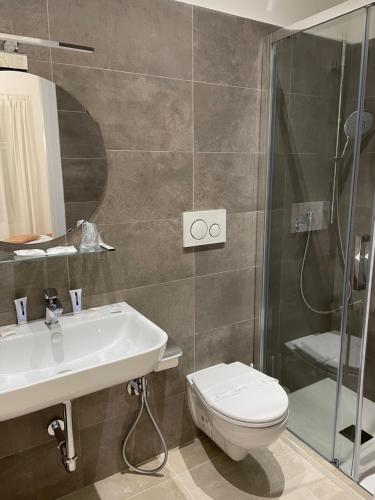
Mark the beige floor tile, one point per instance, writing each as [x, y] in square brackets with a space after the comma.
[193, 454]
[222, 479]
[322, 489]
[124, 485]
[286, 470]
[168, 490]
[87, 493]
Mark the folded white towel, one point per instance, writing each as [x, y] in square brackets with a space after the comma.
[325, 348]
[32, 252]
[61, 250]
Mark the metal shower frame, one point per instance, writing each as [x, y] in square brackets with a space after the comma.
[328, 15]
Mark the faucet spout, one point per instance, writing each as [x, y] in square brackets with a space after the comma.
[54, 307]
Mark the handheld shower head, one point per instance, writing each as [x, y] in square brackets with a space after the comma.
[351, 123]
[350, 126]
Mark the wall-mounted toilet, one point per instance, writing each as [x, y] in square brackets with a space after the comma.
[238, 407]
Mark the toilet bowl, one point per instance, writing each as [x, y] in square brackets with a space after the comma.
[238, 407]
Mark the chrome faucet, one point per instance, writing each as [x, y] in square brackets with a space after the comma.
[54, 307]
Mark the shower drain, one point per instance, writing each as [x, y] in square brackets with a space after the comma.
[349, 433]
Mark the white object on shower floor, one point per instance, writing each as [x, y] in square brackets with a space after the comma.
[325, 348]
[312, 409]
[369, 483]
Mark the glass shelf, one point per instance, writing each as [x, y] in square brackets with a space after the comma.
[10, 257]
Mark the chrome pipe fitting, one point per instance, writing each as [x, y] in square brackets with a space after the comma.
[63, 432]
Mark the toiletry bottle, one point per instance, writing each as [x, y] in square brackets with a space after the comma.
[76, 298]
[21, 310]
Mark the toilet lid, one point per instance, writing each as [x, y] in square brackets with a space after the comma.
[241, 393]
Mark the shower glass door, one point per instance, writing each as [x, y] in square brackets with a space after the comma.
[359, 460]
[312, 166]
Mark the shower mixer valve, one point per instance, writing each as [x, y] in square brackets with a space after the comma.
[311, 216]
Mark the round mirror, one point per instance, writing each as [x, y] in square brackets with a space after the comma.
[53, 169]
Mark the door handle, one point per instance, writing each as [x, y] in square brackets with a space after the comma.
[361, 261]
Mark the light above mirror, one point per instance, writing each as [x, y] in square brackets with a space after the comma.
[53, 170]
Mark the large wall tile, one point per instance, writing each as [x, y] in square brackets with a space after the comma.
[134, 111]
[241, 250]
[312, 124]
[40, 68]
[7, 288]
[16, 478]
[101, 447]
[80, 136]
[226, 118]
[146, 253]
[169, 305]
[78, 211]
[308, 178]
[50, 479]
[137, 36]
[296, 323]
[173, 417]
[104, 405]
[27, 431]
[170, 382]
[227, 49]
[147, 186]
[318, 280]
[224, 298]
[226, 180]
[312, 69]
[366, 180]
[84, 179]
[225, 344]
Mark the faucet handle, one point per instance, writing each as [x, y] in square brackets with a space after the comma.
[50, 293]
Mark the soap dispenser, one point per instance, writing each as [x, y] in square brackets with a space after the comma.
[21, 310]
[76, 298]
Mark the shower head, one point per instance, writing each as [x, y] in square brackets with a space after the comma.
[350, 124]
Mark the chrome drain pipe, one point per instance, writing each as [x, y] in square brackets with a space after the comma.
[63, 432]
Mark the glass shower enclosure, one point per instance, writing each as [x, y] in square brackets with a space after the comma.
[318, 311]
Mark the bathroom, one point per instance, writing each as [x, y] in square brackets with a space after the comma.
[186, 249]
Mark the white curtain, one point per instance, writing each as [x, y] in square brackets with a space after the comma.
[24, 198]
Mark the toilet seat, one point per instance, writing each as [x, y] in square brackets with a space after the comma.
[242, 395]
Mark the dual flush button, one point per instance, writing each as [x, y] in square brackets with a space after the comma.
[204, 227]
[199, 229]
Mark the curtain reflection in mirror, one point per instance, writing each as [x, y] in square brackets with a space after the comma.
[24, 201]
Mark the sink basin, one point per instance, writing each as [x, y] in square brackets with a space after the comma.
[43, 365]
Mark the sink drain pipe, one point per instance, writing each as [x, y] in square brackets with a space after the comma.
[138, 387]
[63, 432]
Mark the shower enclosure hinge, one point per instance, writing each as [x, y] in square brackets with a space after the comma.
[335, 462]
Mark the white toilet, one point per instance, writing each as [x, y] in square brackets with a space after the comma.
[238, 407]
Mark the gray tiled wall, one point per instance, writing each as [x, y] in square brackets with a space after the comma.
[176, 92]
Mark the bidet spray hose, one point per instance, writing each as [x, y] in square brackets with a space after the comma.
[142, 392]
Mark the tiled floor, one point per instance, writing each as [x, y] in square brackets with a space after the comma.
[199, 471]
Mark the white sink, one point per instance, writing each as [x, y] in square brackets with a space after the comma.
[97, 348]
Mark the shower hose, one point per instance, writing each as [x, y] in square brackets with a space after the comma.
[319, 311]
[139, 388]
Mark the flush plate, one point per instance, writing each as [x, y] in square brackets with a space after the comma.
[205, 227]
